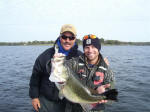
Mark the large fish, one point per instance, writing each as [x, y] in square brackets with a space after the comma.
[71, 88]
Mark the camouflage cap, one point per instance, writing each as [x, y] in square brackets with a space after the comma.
[69, 28]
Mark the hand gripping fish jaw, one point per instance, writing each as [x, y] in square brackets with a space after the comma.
[111, 94]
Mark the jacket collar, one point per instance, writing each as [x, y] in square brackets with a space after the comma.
[73, 51]
[101, 61]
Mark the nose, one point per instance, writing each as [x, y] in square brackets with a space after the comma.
[67, 40]
[90, 49]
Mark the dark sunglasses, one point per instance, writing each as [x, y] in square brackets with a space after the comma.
[70, 37]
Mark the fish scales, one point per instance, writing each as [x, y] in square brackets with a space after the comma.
[72, 89]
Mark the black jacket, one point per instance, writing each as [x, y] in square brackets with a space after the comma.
[39, 82]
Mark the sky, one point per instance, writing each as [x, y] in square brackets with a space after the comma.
[29, 20]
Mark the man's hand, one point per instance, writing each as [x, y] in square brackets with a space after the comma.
[36, 104]
[101, 90]
[106, 61]
[103, 101]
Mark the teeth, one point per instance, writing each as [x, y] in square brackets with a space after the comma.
[67, 45]
[90, 54]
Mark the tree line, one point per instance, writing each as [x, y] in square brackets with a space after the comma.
[104, 42]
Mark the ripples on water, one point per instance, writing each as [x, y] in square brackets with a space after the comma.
[131, 65]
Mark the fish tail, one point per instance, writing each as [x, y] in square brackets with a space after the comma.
[111, 94]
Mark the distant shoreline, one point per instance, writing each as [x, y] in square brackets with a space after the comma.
[51, 43]
[81, 44]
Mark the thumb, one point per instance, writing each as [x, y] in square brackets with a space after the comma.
[106, 85]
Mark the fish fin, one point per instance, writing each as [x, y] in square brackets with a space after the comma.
[111, 94]
[93, 91]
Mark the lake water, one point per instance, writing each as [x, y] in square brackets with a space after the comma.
[131, 65]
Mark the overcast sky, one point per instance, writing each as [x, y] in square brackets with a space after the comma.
[28, 20]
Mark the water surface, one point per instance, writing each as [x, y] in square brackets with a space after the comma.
[131, 65]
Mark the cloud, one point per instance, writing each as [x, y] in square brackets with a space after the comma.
[113, 19]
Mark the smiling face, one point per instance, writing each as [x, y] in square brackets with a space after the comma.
[67, 44]
[91, 53]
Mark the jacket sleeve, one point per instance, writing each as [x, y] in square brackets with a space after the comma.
[109, 78]
[35, 80]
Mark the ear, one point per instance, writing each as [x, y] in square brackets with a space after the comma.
[75, 39]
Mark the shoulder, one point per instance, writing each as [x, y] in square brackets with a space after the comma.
[45, 56]
[47, 53]
[74, 52]
[79, 58]
[74, 61]
[79, 52]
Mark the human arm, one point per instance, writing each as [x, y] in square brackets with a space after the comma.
[109, 78]
[106, 61]
[108, 84]
[34, 84]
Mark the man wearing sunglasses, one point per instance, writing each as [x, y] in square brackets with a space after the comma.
[44, 93]
[92, 71]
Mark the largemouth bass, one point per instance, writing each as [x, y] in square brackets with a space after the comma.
[71, 88]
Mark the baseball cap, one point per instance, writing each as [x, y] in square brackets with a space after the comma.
[69, 28]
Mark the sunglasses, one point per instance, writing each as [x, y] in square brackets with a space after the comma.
[70, 37]
[89, 36]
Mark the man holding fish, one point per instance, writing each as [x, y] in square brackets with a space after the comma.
[86, 79]
[44, 93]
